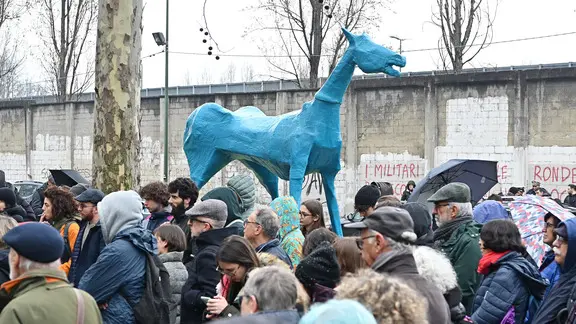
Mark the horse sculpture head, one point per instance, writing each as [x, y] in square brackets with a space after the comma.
[371, 57]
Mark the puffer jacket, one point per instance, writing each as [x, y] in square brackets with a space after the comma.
[510, 283]
[178, 276]
[437, 270]
[245, 188]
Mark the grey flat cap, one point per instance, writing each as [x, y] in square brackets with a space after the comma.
[91, 195]
[210, 208]
[453, 192]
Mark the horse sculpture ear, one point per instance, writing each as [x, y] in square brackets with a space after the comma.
[351, 38]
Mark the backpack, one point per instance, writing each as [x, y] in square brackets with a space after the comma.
[154, 306]
[67, 252]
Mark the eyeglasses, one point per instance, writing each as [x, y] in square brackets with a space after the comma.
[240, 298]
[83, 205]
[360, 241]
[246, 222]
[303, 214]
[227, 272]
[190, 222]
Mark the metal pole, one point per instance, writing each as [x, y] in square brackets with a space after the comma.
[166, 98]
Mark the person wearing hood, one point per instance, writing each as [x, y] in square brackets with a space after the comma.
[117, 279]
[28, 214]
[8, 205]
[489, 210]
[408, 191]
[207, 220]
[261, 229]
[510, 279]
[232, 201]
[289, 234]
[385, 241]
[245, 188]
[156, 198]
[6, 224]
[559, 302]
[433, 265]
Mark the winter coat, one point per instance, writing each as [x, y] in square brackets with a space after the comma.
[28, 215]
[232, 201]
[489, 210]
[84, 255]
[178, 276]
[290, 235]
[550, 270]
[273, 247]
[4, 266]
[437, 270]
[270, 317]
[554, 307]
[402, 265]
[44, 296]
[422, 222]
[407, 193]
[570, 200]
[37, 201]
[16, 212]
[156, 219]
[245, 188]
[202, 275]
[462, 249]
[510, 283]
[117, 277]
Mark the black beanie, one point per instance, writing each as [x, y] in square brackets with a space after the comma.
[8, 197]
[367, 196]
[319, 267]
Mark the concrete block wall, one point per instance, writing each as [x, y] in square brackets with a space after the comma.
[393, 130]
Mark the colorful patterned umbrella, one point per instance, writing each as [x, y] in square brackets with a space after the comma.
[528, 213]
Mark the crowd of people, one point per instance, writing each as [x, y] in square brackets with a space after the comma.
[166, 255]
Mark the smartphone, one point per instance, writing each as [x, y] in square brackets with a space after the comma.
[205, 299]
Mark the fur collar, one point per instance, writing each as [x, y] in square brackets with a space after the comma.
[435, 268]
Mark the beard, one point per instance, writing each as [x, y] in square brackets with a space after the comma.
[179, 210]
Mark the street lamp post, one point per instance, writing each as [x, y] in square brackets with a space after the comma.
[163, 41]
[400, 40]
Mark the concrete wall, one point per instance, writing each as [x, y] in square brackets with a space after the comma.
[393, 130]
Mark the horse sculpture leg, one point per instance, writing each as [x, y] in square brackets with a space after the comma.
[296, 178]
[205, 164]
[331, 201]
[266, 178]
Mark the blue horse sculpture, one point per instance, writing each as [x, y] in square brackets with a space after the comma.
[288, 146]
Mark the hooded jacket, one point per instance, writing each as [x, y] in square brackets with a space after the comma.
[178, 276]
[244, 186]
[84, 255]
[232, 201]
[402, 265]
[422, 222]
[437, 270]
[202, 275]
[407, 193]
[117, 277]
[290, 235]
[28, 215]
[555, 306]
[510, 283]
[489, 210]
[44, 296]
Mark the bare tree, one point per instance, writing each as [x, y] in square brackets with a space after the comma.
[466, 27]
[67, 31]
[306, 30]
[116, 164]
[205, 77]
[247, 73]
[188, 78]
[229, 75]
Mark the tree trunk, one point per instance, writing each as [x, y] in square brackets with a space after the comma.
[316, 43]
[117, 110]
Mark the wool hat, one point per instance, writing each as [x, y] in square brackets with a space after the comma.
[367, 196]
[319, 267]
[36, 242]
[392, 222]
[90, 195]
[209, 208]
[8, 196]
[78, 189]
[453, 192]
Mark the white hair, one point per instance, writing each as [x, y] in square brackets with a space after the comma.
[26, 265]
[464, 209]
[393, 244]
[275, 288]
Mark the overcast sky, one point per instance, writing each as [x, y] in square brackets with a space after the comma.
[408, 19]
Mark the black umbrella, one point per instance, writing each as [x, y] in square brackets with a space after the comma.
[68, 178]
[479, 175]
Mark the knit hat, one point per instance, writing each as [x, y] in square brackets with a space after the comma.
[78, 189]
[25, 239]
[319, 267]
[367, 196]
[244, 186]
[8, 196]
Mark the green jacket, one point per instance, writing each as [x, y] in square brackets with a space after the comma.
[463, 250]
[45, 296]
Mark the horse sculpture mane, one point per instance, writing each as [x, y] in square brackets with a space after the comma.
[287, 146]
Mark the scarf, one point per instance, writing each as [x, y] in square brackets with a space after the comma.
[444, 232]
[488, 260]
